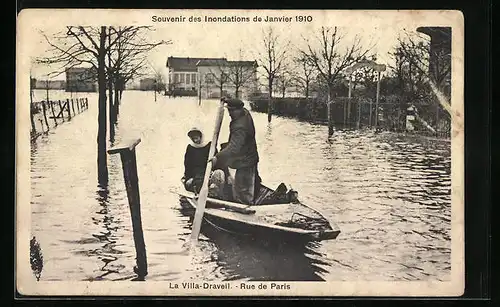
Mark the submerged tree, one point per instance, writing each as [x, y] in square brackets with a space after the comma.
[330, 58]
[90, 46]
[305, 74]
[431, 60]
[272, 60]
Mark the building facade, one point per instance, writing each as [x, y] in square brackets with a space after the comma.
[439, 56]
[212, 77]
[81, 79]
[49, 84]
[183, 74]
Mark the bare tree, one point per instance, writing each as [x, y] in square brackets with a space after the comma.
[330, 60]
[218, 69]
[240, 73]
[284, 81]
[272, 60]
[305, 75]
[433, 64]
[129, 58]
[86, 45]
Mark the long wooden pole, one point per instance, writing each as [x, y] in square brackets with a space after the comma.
[202, 197]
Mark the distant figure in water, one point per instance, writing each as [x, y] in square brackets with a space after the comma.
[195, 163]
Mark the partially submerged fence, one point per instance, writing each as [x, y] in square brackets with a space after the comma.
[356, 113]
[45, 115]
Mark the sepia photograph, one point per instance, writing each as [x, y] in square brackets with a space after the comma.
[239, 152]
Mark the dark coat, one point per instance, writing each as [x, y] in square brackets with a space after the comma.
[195, 161]
[241, 150]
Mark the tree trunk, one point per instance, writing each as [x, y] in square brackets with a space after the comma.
[307, 89]
[329, 111]
[116, 104]
[270, 102]
[102, 165]
[237, 92]
[110, 98]
[33, 127]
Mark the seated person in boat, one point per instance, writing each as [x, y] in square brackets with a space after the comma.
[195, 163]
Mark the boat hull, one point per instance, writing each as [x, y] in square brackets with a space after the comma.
[244, 225]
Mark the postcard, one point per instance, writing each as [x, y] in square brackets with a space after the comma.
[239, 153]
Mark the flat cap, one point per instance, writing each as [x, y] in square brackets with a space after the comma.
[233, 103]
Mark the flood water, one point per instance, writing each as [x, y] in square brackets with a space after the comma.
[388, 193]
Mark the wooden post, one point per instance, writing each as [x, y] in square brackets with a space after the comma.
[129, 166]
[69, 111]
[202, 197]
[44, 108]
[370, 119]
[61, 110]
[376, 100]
[32, 116]
[358, 123]
[86, 103]
[78, 102]
[73, 106]
[199, 91]
[41, 124]
[344, 105]
[53, 113]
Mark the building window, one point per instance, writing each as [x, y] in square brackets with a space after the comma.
[182, 78]
[193, 78]
[177, 78]
[188, 78]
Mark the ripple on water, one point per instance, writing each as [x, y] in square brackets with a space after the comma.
[389, 194]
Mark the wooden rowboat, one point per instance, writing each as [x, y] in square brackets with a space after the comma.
[283, 220]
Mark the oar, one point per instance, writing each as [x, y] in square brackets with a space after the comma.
[202, 197]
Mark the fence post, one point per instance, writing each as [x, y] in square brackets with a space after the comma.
[73, 106]
[370, 119]
[61, 110]
[53, 113]
[44, 108]
[78, 102]
[129, 165]
[69, 111]
[86, 103]
[376, 100]
[359, 114]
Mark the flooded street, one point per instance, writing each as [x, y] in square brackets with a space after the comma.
[388, 193]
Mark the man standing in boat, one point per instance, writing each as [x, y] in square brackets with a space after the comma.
[240, 154]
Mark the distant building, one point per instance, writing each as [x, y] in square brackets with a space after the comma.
[183, 73]
[50, 84]
[204, 74]
[439, 53]
[81, 79]
[147, 84]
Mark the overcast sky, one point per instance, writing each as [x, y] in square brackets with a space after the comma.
[227, 39]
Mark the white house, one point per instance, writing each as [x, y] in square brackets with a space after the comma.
[215, 74]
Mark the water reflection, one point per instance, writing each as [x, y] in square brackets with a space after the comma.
[255, 259]
[108, 252]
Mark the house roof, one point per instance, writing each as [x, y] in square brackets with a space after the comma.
[212, 62]
[242, 63]
[187, 64]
